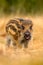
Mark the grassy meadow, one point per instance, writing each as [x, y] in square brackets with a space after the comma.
[28, 9]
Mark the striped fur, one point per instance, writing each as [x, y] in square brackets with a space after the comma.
[15, 30]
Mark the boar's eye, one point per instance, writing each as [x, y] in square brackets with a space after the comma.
[22, 27]
[31, 27]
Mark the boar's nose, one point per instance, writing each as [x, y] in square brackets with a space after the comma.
[27, 33]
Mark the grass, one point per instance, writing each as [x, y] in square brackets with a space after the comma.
[33, 55]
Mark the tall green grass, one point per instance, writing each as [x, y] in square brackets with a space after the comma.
[21, 6]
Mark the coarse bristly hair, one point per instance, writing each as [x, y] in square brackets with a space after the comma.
[16, 29]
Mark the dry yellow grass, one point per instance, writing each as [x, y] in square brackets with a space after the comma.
[31, 56]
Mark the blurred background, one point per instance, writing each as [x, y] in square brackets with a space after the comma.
[21, 7]
[9, 9]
